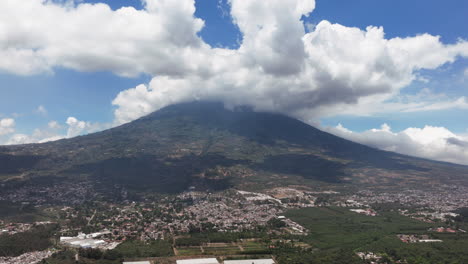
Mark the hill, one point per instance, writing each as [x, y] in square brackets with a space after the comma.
[204, 146]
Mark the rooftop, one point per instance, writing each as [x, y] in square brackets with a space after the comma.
[250, 261]
[199, 261]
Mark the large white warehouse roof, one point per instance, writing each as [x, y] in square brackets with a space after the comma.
[250, 261]
[198, 261]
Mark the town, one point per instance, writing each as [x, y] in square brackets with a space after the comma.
[104, 225]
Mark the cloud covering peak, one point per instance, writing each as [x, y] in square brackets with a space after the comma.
[320, 73]
[333, 69]
[278, 67]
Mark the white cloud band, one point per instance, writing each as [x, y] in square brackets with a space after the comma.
[437, 143]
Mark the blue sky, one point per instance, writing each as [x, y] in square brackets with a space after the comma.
[87, 94]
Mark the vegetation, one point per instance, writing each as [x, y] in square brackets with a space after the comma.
[462, 215]
[36, 239]
[289, 254]
[138, 249]
[337, 232]
[126, 250]
[23, 213]
[204, 145]
[198, 239]
[88, 256]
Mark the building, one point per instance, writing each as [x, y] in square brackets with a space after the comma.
[429, 240]
[82, 242]
[85, 241]
[250, 261]
[198, 261]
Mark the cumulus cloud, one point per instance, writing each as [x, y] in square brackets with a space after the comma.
[38, 35]
[430, 142]
[332, 69]
[41, 110]
[272, 33]
[7, 126]
[278, 67]
[55, 131]
[18, 139]
[39, 135]
[54, 125]
[77, 127]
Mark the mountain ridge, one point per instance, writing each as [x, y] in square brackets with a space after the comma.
[202, 144]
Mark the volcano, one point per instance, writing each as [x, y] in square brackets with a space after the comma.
[203, 146]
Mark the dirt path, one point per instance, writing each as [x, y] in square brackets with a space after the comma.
[92, 217]
[241, 247]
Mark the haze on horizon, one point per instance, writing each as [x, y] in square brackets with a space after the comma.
[75, 67]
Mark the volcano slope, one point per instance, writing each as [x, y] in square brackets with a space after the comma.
[202, 145]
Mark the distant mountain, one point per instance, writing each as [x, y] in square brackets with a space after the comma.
[204, 146]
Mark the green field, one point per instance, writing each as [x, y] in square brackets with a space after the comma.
[332, 229]
[138, 249]
[189, 251]
[223, 249]
[338, 227]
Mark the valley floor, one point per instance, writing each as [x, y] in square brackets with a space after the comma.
[290, 225]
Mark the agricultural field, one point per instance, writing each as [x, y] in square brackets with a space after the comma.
[331, 229]
[246, 247]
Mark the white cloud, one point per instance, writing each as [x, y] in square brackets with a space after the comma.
[50, 133]
[55, 131]
[7, 126]
[430, 142]
[41, 110]
[272, 33]
[77, 127]
[278, 66]
[322, 77]
[54, 125]
[37, 35]
[331, 70]
[18, 139]
[460, 103]
[37, 136]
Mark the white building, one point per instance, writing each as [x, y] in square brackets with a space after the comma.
[199, 261]
[250, 261]
[82, 242]
[429, 240]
